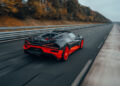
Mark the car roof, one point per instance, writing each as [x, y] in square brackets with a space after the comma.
[56, 33]
[61, 31]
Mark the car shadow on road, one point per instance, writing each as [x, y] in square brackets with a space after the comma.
[48, 59]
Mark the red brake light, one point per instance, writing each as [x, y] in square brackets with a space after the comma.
[27, 42]
[26, 45]
[47, 39]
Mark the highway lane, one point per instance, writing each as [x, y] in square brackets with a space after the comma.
[19, 69]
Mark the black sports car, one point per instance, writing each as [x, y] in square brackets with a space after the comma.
[58, 43]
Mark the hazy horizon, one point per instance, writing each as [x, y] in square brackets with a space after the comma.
[108, 8]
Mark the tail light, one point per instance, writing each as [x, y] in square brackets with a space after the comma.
[26, 45]
[27, 42]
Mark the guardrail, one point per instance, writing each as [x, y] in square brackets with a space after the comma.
[31, 27]
[7, 36]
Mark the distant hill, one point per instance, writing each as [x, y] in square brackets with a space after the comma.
[50, 10]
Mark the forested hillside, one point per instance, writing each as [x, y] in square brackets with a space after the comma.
[50, 10]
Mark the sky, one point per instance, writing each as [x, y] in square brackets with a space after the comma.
[108, 8]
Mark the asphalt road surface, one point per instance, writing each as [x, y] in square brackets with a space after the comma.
[19, 69]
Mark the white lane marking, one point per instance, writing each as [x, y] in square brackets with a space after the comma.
[100, 45]
[11, 40]
[81, 74]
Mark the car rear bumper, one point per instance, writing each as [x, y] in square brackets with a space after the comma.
[37, 50]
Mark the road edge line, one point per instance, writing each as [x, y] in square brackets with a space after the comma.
[81, 74]
[92, 61]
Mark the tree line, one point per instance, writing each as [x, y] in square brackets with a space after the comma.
[50, 9]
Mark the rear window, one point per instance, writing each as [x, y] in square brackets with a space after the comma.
[60, 36]
[48, 35]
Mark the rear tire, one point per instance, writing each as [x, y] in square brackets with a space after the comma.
[65, 54]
